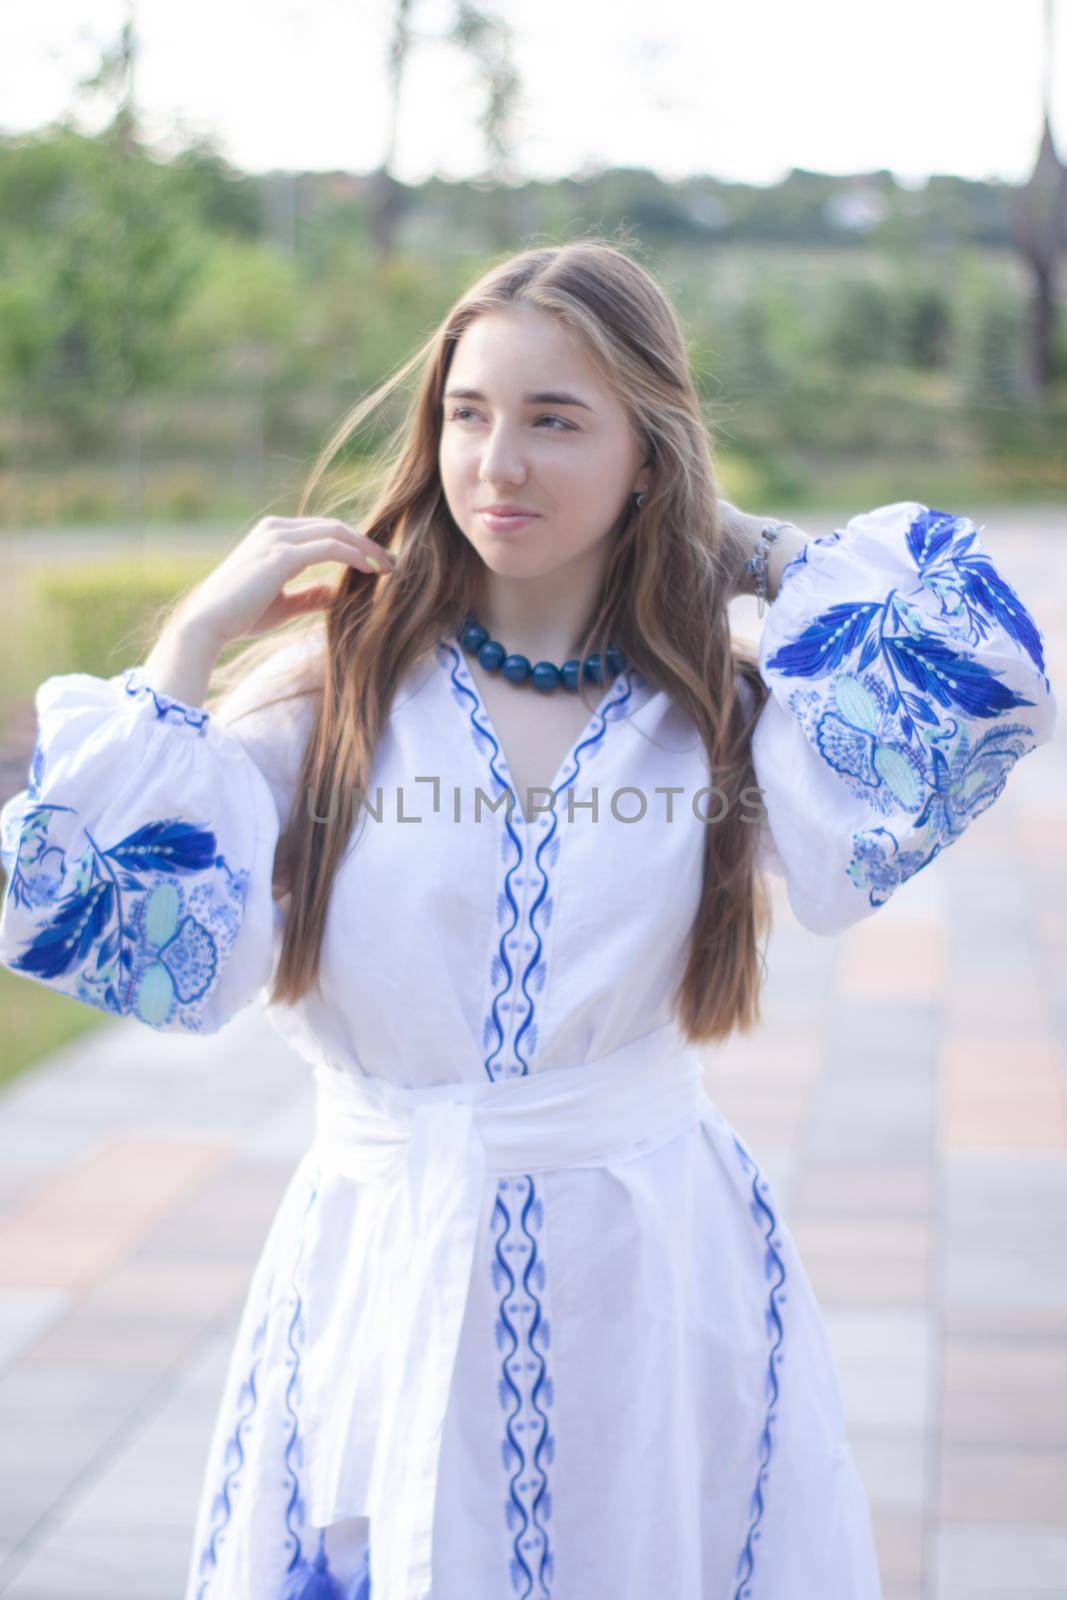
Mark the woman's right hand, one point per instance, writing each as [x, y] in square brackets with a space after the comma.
[245, 595]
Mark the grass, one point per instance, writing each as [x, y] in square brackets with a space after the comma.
[37, 1021]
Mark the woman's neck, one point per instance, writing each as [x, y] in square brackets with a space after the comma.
[542, 618]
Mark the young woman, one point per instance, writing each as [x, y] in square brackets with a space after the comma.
[528, 1321]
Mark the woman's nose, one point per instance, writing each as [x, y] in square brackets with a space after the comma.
[502, 461]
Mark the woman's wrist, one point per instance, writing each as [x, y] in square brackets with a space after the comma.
[788, 544]
[182, 660]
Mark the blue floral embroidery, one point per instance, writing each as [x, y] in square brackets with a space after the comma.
[773, 1269]
[128, 933]
[801, 557]
[125, 933]
[968, 777]
[893, 669]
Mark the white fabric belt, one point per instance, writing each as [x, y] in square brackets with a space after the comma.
[442, 1143]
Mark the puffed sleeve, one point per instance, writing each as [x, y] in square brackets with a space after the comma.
[139, 857]
[905, 680]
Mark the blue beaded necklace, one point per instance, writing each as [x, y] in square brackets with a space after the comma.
[545, 676]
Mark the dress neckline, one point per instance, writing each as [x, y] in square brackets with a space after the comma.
[617, 693]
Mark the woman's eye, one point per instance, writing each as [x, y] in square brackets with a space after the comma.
[465, 411]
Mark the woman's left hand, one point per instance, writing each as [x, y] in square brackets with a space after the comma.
[740, 536]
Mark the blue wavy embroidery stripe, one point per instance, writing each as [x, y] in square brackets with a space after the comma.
[523, 1332]
[774, 1271]
[493, 1029]
[295, 1510]
[525, 1388]
[194, 717]
[545, 855]
[303, 1577]
[233, 1462]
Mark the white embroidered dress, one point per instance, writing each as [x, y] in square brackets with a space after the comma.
[527, 1322]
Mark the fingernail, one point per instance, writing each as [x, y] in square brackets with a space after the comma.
[375, 564]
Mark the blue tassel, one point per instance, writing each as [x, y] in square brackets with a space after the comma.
[313, 1583]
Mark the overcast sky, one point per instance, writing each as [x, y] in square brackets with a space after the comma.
[743, 91]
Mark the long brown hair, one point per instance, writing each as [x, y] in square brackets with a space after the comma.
[664, 601]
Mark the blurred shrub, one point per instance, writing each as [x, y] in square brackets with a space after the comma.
[184, 495]
[42, 499]
[103, 616]
[104, 496]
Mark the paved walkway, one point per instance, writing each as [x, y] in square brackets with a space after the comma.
[907, 1095]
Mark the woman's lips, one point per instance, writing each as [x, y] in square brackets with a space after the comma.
[500, 524]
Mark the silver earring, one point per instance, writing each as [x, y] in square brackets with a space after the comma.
[641, 498]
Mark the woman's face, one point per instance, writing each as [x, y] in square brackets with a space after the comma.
[572, 459]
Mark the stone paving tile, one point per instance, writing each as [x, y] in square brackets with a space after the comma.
[1002, 1483]
[849, 1239]
[953, 1591]
[860, 1192]
[978, 1416]
[146, 1488]
[63, 1448]
[885, 1359]
[878, 1043]
[974, 1004]
[1025, 1281]
[283, 1135]
[1002, 1366]
[998, 1098]
[51, 1390]
[901, 958]
[973, 1558]
[770, 1116]
[898, 1537]
[895, 1468]
[222, 1218]
[893, 1338]
[24, 1316]
[178, 1289]
[1004, 1320]
[153, 1343]
[884, 1401]
[145, 1563]
[837, 1138]
[887, 1281]
[1019, 1225]
[154, 1481]
[82, 1220]
[990, 1186]
[881, 1103]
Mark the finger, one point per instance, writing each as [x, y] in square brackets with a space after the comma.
[302, 529]
[309, 555]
